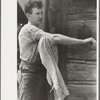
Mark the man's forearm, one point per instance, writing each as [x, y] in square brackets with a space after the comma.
[65, 40]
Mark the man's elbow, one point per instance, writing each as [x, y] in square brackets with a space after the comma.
[57, 39]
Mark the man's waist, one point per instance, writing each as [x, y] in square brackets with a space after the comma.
[27, 62]
[31, 67]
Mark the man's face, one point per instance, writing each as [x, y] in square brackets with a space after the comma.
[36, 16]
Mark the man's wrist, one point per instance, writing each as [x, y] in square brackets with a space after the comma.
[82, 41]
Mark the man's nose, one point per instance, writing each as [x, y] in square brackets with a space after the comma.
[41, 16]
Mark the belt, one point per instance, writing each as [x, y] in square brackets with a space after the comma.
[27, 71]
[27, 63]
[31, 67]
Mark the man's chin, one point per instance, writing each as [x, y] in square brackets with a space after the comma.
[40, 23]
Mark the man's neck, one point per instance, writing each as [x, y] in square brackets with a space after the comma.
[32, 24]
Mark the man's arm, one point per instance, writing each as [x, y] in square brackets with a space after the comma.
[65, 40]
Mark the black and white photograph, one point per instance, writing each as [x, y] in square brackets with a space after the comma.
[52, 50]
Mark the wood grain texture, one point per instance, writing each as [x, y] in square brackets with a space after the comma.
[82, 17]
[91, 62]
[82, 6]
[82, 56]
[81, 72]
[81, 53]
[82, 92]
[81, 82]
[73, 27]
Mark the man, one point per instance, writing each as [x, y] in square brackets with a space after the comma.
[32, 83]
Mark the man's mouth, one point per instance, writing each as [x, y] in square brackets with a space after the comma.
[40, 20]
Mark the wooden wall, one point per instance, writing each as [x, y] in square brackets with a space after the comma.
[76, 18]
[81, 59]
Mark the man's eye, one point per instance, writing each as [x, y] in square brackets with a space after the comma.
[37, 13]
[42, 13]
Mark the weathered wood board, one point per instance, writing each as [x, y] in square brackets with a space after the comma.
[81, 92]
[81, 27]
[82, 55]
[81, 72]
[82, 17]
[81, 52]
[82, 6]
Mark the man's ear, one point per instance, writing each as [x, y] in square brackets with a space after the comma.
[28, 15]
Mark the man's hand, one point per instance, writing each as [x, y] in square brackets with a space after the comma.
[90, 41]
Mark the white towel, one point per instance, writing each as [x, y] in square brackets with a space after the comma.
[49, 57]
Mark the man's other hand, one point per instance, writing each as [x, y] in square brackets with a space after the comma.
[90, 41]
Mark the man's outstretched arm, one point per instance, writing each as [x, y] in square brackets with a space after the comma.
[65, 40]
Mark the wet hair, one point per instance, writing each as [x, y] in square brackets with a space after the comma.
[32, 4]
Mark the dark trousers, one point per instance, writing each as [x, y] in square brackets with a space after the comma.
[33, 87]
[33, 84]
